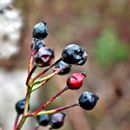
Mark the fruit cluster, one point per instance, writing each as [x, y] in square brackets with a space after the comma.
[42, 56]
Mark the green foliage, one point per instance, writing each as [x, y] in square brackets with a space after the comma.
[110, 49]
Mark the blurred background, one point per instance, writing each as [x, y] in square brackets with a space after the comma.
[101, 26]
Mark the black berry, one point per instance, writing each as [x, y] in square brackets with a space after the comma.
[57, 120]
[43, 120]
[1, 11]
[40, 30]
[37, 44]
[20, 106]
[65, 67]
[88, 100]
[74, 54]
[44, 57]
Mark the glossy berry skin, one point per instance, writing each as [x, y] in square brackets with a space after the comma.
[43, 120]
[75, 81]
[88, 100]
[65, 67]
[37, 44]
[74, 54]
[44, 57]
[57, 120]
[19, 107]
[40, 30]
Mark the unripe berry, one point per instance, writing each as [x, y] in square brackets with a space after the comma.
[65, 67]
[19, 107]
[44, 57]
[57, 120]
[43, 120]
[74, 54]
[88, 100]
[40, 30]
[75, 81]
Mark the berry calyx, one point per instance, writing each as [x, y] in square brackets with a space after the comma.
[74, 54]
[40, 30]
[19, 107]
[65, 67]
[44, 57]
[75, 81]
[88, 100]
[43, 120]
[57, 120]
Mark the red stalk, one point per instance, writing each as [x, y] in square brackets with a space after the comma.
[50, 100]
[44, 71]
[16, 121]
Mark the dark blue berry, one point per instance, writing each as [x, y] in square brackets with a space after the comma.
[1, 11]
[88, 100]
[40, 30]
[20, 106]
[65, 67]
[57, 120]
[43, 120]
[37, 44]
[44, 57]
[74, 54]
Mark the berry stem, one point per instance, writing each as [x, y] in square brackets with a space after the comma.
[16, 121]
[21, 123]
[55, 110]
[31, 67]
[48, 77]
[44, 80]
[30, 64]
[44, 71]
[28, 94]
[39, 86]
[49, 101]
[30, 74]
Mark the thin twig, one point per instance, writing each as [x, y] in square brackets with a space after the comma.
[30, 74]
[57, 109]
[16, 121]
[44, 71]
[49, 101]
[44, 80]
[27, 98]
[47, 77]
[30, 64]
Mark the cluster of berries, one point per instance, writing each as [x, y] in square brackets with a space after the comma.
[42, 56]
[55, 120]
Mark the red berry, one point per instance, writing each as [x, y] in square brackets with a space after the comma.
[75, 81]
